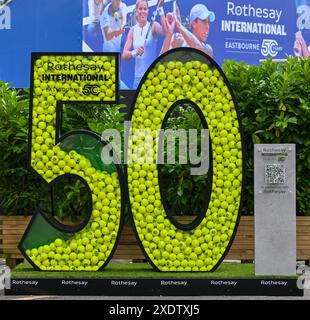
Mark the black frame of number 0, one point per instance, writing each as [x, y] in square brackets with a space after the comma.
[185, 53]
[123, 177]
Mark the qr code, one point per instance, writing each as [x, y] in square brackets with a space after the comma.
[274, 173]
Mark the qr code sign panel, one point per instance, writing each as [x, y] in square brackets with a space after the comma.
[274, 173]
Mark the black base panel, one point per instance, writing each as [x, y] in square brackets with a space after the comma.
[156, 287]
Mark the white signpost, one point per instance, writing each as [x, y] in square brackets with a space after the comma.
[275, 209]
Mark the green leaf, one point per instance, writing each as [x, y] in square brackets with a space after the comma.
[292, 120]
[256, 139]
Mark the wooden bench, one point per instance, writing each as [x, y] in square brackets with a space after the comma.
[12, 228]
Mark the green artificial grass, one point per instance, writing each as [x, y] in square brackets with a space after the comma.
[136, 270]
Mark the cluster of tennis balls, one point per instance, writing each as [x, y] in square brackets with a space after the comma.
[168, 248]
[91, 247]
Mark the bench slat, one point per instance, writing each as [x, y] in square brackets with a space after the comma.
[12, 229]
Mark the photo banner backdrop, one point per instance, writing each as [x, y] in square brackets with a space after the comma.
[36, 25]
[238, 29]
[241, 30]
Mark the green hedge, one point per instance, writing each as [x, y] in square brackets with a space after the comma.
[274, 103]
[273, 100]
[17, 184]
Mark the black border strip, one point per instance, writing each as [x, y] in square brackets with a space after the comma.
[155, 287]
[130, 113]
[58, 138]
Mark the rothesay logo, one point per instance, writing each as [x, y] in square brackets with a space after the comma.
[5, 17]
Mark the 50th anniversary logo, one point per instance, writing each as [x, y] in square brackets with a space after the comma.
[91, 89]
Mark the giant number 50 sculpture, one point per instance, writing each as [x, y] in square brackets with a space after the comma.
[181, 75]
